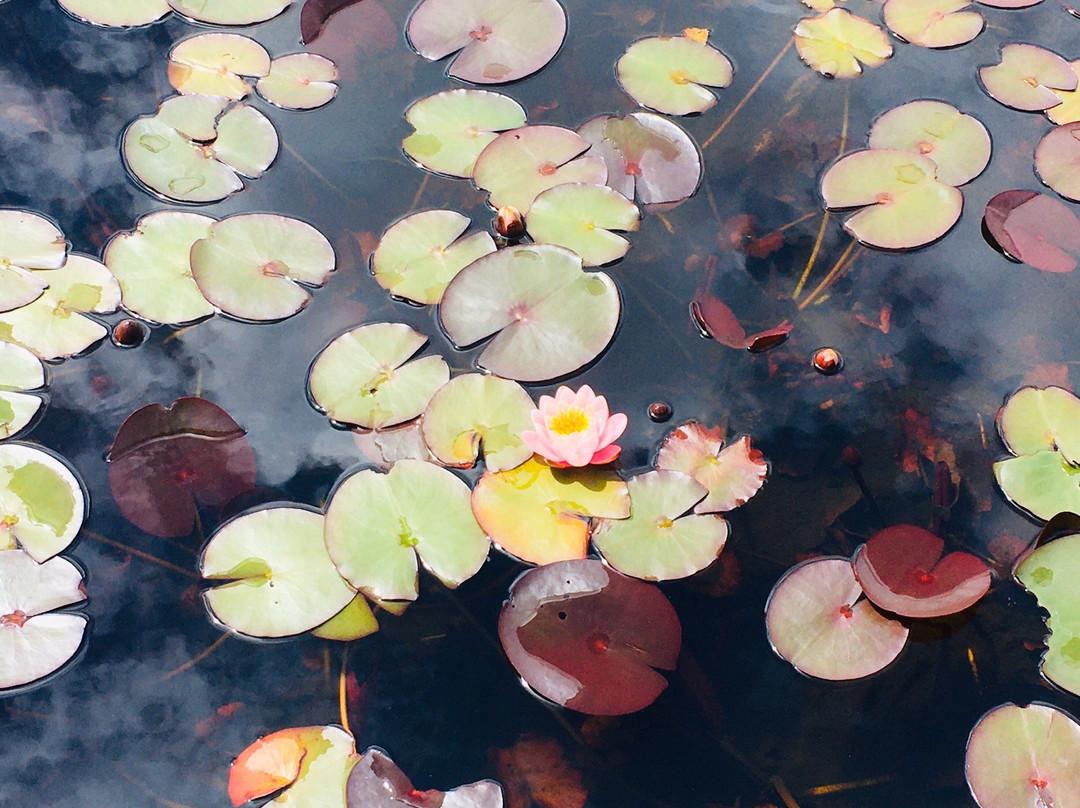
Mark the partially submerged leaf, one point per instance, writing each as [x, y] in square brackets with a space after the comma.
[588, 638]
[1027, 76]
[540, 514]
[299, 81]
[42, 503]
[499, 40]
[1056, 157]
[377, 524]
[580, 217]
[958, 144]
[731, 474]
[377, 782]
[933, 23]
[818, 621]
[837, 44]
[666, 73]
[214, 64]
[1034, 228]
[716, 319]
[365, 378]
[548, 316]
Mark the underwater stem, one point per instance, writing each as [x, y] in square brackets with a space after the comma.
[199, 657]
[343, 706]
[834, 273]
[749, 93]
[140, 554]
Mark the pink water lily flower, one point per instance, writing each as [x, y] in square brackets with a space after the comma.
[575, 429]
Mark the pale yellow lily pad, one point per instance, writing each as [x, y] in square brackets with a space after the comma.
[837, 44]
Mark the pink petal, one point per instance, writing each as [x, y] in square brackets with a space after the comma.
[614, 427]
[605, 455]
[564, 396]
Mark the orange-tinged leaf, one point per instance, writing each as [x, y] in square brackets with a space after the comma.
[268, 765]
[535, 772]
[696, 34]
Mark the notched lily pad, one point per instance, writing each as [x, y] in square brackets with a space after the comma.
[958, 144]
[499, 40]
[299, 81]
[454, 126]
[365, 378]
[474, 411]
[1056, 157]
[42, 503]
[20, 371]
[214, 64]
[377, 782]
[1034, 228]
[1027, 76]
[419, 255]
[588, 638]
[28, 241]
[837, 44]
[1068, 111]
[312, 764]
[732, 474]
[541, 514]
[933, 23]
[666, 73]
[549, 317]
[580, 217]
[378, 524]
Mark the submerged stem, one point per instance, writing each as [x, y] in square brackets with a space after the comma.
[199, 657]
[834, 273]
[749, 93]
[343, 706]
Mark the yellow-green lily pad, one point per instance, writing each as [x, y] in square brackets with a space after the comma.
[42, 503]
[837, 44]
[580, 217]
[666, 73]
[20, 370]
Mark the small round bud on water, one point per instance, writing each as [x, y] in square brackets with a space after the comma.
[827, 361]
[660, 411]
[129, 333]
[509, 223]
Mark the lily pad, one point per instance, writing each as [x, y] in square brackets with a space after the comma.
[518, 165]
[541, 514]
[958, 144]
[364, 377]
[1048, 572]
[1009, 3]
[28, 241]
[299, 81]
[312, 764]
[1043, 483]
[1056, 157]
[1068, 111]
[933, 24]
[53, 326]
[818, 621]
[193, 116]
[588, 638]
[658, 542]
[419, 255]
[377, 782]
[1037, 419]
[474, 411]
[715, 319]
[500, 40]
[153, 267]
[906, 205]
[1027, 76]
[550, 318]
[42, 504]
[1034, 228]
[580, 217]
[276, 577]
[229, 12]
[117, 13]
[1024, 756]
[454, 126]
[647, 156]
[20, 370]
[213, 64]
[731, 474]
[353, 622]
[255, 266]
[166, 461]
[837, 44]
[34, 639]
[382, 448]
[666, 73]
[901, 569]
[377, 524]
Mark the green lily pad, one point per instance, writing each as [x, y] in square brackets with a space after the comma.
[19, 370]
[193, 116]
[246, 141]
[1024, 756]
[837, 44]
[906, 205]
[1027, 76]
[580, 217]
[153, 267]
[34, 640]
[213, 64]
[1043, 484]
[277, 579]
[1037, 419]
[958, 144]
[364, 377]
[53, 326]
[229, 12]
[474, 411]
[541, 514]
[116, 13]
[253, 264]
[517, 165]
[659, 542]
[352, 623]
[42, 504]
[550, 317]
[933, 23]
[666, 73]
[419, 255]
[299, 81]
[1055, 160]
[454, 126]
[27, 241]
[1049, 572]
[377, 524]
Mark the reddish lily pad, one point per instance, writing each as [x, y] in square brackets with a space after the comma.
[933, 23]
[716, 320]
[818, 621]
[588, 638]
[312, 764]
[666, 73]
[958, 144]
[1034, 228]
[1024, 756]
[901, 570]
[837, 44]
[166, 461]
[1027, 76]
[732, 474]
[377, 782]
[1056, 157]
[500, 40]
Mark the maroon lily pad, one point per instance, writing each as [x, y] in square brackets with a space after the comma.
[901, 570]
[377, 782]
[588, 638]
[165, 461]
[1034, 228]
[353, 34]
[716, 319]
[315, 14]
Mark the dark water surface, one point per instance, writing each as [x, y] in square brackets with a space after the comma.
[129, 725]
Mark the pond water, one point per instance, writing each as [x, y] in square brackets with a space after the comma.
[933, 341]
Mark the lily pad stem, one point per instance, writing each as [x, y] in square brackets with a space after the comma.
[749, 93]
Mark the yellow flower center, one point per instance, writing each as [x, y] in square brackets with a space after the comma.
[569, 421]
